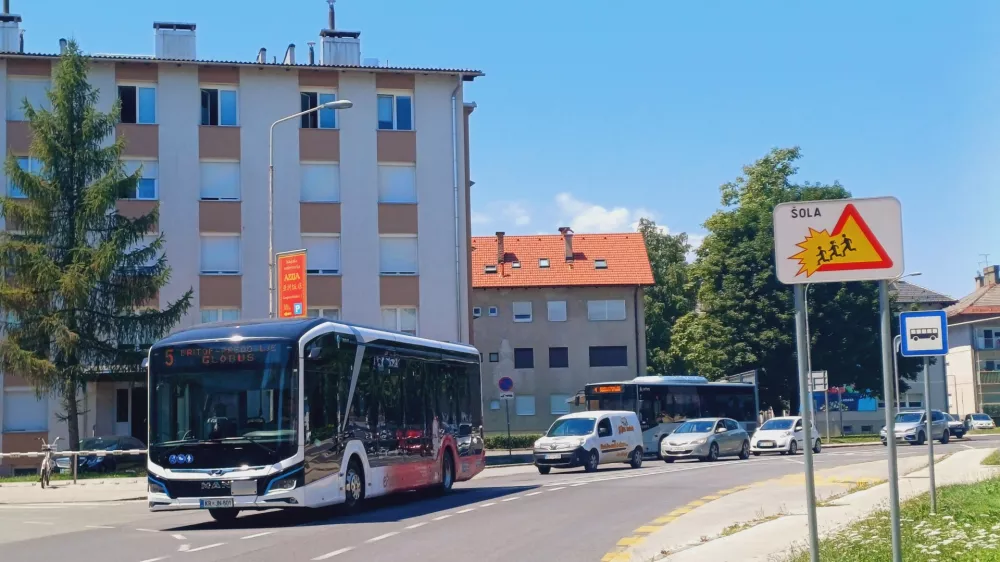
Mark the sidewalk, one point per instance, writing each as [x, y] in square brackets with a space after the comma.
[65, 491]
[773, 517]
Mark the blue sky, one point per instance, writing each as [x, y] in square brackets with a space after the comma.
[595, 113]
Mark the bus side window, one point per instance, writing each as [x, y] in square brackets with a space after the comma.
[327, 381]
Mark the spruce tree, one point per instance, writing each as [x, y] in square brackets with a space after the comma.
[77, 273]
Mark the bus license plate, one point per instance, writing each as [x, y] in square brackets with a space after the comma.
[217, 503]
[552, 457]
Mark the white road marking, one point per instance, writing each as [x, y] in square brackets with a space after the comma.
[487, 504]
[257, 535]
[157, 559]
[200, 548]
[968, 446]
[179, 537]
[38, 523]
[184, 548]
[509, 499]
[380, 537]
[557, 489]
[147, 530]
[417, 525]
[99, 527]
[334, 553]
[441, 517]
[532, 494]
[578, 484]
[467, 510]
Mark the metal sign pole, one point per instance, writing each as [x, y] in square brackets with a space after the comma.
[805, 396]
[888, 354]
[510, 447]
[930, 435]
[826, 403]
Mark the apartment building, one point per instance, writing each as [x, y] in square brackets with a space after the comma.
[973, 360]
[553, 313]
[378, 194]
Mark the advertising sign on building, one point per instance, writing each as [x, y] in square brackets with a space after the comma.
[292, 284]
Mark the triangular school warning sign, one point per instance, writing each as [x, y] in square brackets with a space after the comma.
[850, 246]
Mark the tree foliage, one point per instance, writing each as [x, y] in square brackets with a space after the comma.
[669, 299]
[78, 273]
[746, 317]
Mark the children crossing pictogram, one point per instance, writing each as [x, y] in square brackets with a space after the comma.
[851, 245]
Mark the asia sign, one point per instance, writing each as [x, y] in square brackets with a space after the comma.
[838, 240]
[292, 284]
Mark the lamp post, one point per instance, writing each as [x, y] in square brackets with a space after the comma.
[897, 342]
[335, 105]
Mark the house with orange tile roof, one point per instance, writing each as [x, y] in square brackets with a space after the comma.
[553, 313]
[973, 360]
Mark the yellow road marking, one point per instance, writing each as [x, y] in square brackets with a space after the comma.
[664, 520]
[697, 503]
[630, 541]
[710, 498]
[648, 529]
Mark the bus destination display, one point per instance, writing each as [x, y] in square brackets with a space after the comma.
[236, 354]
[608, 389]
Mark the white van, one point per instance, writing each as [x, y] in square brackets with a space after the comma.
[589, 439]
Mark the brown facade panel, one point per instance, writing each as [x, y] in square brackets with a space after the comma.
[387, 81]
[319, 79]
[220, 290]
[140, 140]
[219, 142]
[18, 137]
[29, 67]
[133, 208]
[220, 216]
[397, 218]
[218, 75]
[22, 442]
[399, 290]
[319, 145]
[10, 381]
[324, 290]
[319, 218]
[397, 146]
[137, 72]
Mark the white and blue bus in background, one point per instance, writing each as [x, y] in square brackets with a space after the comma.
[665, 402]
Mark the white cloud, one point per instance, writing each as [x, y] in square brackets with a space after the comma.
[502, 214]
[590, 217]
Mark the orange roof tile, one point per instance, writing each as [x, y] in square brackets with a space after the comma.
[625, 256]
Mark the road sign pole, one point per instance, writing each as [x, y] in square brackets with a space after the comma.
[930, 435]
[510, 447]
[826, 402]
[805, 396]
[890, 427]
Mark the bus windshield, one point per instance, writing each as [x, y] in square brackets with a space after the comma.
[225, 393]
[572, 427]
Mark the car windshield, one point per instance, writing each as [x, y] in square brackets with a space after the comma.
[771, 425]
[696, 427]
[571, 427]
[908, 417]
[98, 443]
[980, 417]
[949, 417]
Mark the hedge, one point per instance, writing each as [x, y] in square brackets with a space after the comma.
[515, 441]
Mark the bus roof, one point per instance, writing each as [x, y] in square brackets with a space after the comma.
[670, 379]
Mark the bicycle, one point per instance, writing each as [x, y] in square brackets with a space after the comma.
[48, 462]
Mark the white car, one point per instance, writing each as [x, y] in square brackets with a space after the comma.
[589, 439]
[979, 421]
[784, 435]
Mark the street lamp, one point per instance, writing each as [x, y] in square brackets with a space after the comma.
[897, 342]
[338, 104]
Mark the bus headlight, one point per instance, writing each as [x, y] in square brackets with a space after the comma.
[282, 485]
[156, 488]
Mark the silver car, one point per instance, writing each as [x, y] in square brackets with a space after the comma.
[911, 427]
[706, 439]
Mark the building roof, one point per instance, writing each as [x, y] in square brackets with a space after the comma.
[910, 293]
[627, 263]
[984, 300]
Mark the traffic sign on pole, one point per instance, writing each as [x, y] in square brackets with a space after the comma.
[923, 333]
[506, 384]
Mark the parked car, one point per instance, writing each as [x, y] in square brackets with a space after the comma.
[785, 435]
[110, 462]
[911, 427]
[589, 439]
[956, 426]
[706, 439]
[978, 421]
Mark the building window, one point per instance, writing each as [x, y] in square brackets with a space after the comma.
[543, 262]
[557, 311]
[559, 404]
[598, 311]
[138, 104]
[219, 106]
[142, 245]
[34, 90]
[477, 312]
[608, 356]
[322, 119]
[146, 188]
[220, 255]
[494, 404]
[397, 183]
[219, 315]
[30, 165]
[121, 405]
[400, 319]
[395, 112]
[558, 357]
[494, 311]
[524, 358]
[328, 313]
[868, 429]
[220, 181]
[322, 254]
[22, 411]
[320, 183]
[494, 357]
[398, 255]
[522, 311]
[915, 404]
[524, 405]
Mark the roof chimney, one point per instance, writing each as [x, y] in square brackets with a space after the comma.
[992, 275]
[312, 52]
[175, 40]
[62, 46]
[262, 56]
[289, 55]
[979, 279]
[567, 233]
[500, 251]
[11, 38]
[340, 48]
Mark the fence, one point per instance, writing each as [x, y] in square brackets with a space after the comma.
[74, 455]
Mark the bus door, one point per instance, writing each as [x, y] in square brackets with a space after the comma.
[650, 413]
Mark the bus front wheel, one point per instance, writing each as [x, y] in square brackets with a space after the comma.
[354, 485]
[447, 472]
[224, 515]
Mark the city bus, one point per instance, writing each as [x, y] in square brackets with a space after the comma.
[307, 413]
[665, 402]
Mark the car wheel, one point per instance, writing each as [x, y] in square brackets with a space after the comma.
[745, 451]
[713, 453]
[756, 454]
[817, 447]
[544, 469]
[668, 460]
[945, 437]
[636, 460]
[793, 447]
[592, 462]
[224, 515]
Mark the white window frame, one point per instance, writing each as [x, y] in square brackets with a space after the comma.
[323, 311]
[522, 313]
[239, 239]
[218, 311]
[416, 257]
[477, 311]
[395, 109]
[156, 177]
[239, 180]
[494, 311]
[518, 401]
[544, 263]
[321, 92]
[560, 311]
[302, 176]
[32, 163]
[220, 88]
[156, 99]
[397, 165]
[396, 311]
[560, 399]
[597, 310]
[25, 393]
[15, 111]
[326, 271]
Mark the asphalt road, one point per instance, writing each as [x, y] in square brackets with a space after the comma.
[507, 514]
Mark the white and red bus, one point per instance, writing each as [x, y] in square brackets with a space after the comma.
[307, 413]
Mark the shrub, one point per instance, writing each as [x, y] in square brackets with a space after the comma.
[515, 441]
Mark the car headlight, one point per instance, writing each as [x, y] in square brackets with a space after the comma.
[536, 443]
[156, 488]
[911, 431]
[786, 434]
[283, 484]
[700, 441]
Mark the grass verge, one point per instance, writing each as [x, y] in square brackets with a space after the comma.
[761, 518]
[60, 477]
[857, 487]
[865, 438]
[993, 459]
[966, 528]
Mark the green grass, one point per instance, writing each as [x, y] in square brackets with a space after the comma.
[859, 487]
[865, 438]
[993, 459]
[761, 518]
[58, 477]
[965, 529]
[993, 431]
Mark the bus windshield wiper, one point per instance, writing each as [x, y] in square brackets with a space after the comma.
[251, 440]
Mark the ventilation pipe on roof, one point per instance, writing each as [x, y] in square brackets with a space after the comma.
[567, 233]
[11, 36]
[262, 56]
[312, 52]
[289, 55]
[500, 250]
[62, 46]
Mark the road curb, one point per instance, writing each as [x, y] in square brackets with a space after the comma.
[116, 500]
